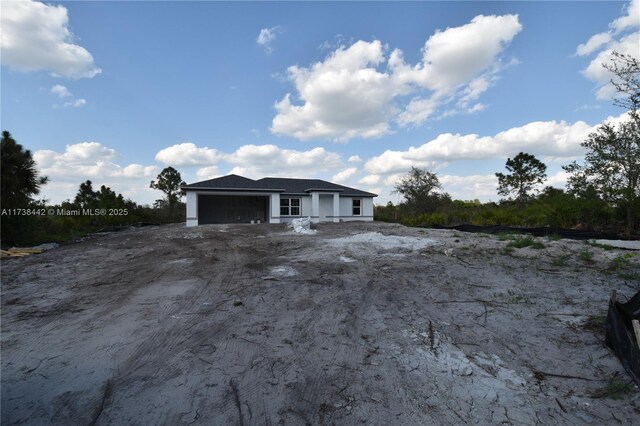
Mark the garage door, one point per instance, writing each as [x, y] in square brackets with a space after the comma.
[231, 209]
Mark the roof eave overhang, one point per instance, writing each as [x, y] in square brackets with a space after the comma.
[366, 194]
[323, 190]
[204, 188]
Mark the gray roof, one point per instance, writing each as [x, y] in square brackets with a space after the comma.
[274, 184]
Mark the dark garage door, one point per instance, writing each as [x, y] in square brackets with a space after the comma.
[231, 209]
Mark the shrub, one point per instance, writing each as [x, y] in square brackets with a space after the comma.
[528, 241]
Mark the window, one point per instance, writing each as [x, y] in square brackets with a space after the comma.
[289, 206]
[356, 207]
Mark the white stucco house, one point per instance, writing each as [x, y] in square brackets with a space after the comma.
[236, 199]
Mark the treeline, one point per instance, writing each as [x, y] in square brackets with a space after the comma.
[26, 221]
[42, 222]
[553, 207]
[602, 193]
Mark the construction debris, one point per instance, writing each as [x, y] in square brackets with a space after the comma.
[302, 225]
[26, 251]
[19, 252]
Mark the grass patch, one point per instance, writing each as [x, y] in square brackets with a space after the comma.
[595, 324]
[507, 236]
[606, 247]
[507, 251]
[586, 255]
[553, 237]
[615, 389]
[561, 260]
[622, 265]
[528, 241]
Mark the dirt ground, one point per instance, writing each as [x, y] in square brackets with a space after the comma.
[361, 323]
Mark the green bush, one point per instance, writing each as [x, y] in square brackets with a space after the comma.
[553, 208]
[528, 241]
[586, 255]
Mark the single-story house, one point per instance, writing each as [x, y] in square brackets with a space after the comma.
[237, 199]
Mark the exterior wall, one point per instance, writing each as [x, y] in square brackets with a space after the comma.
[305, 208]
[192, 208]
[274, 201]
[325, 212]
[366, 209]
[326, 208]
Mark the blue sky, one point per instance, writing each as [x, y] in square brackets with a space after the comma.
[356, 93]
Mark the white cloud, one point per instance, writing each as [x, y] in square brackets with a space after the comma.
[35, 36]
[370, 180]
[481, 187]
[630, 20]
[344, 97]
[594, 43]
[188, 154]
[627, 45]
[393, 179]
[349, 95]
[206, 173]
[354, 159]
[458, 63]
[476, 108]
[95, 162]
[271, 160]
[134, 171]
[418, 110]
[558, 179]
[557, 141]
[396, 161]
[267, 36]
[474, 89]
[76, 104]
[456, 56]
[254, 161]
[75, 154]
[344, 175]
[553, 142]
[621, 38]
[60, 91]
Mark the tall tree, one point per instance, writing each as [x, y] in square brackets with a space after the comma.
[169, 181]
[86, 196]
[20, 180]
[611, 166]
[419, 188]
[612, 162]
[107, 198]
[626, 71]
[19, 183]
[525, 171]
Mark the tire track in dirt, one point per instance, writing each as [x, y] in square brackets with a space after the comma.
[184, 327]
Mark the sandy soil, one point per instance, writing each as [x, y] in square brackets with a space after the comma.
[359, 323]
